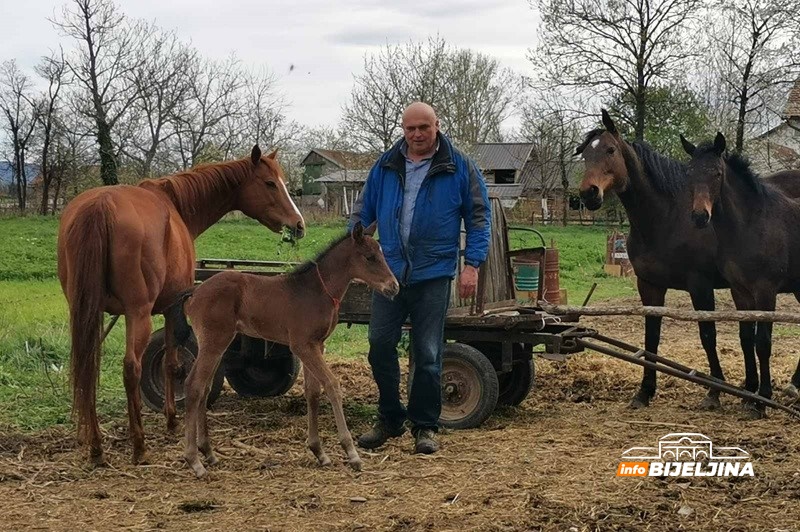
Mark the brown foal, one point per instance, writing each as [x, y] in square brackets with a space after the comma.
[299, 309]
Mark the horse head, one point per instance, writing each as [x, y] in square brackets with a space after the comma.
[705, 172]
[263, 196]
[605, 169]
[367, 262]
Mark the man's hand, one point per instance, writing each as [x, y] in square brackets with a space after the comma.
[468, 281]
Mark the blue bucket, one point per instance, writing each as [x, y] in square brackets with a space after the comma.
[526, 280]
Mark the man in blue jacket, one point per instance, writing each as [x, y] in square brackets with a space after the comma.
[419, 192]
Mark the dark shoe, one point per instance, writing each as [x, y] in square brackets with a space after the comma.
[425, 442]
[378, 435]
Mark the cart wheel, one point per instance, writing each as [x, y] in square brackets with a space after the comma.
[469, 387]
[516, 385]
[257, 368]
[152, 383]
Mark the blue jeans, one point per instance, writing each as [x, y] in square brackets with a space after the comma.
[426, 303]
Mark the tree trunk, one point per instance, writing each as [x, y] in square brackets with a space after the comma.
[108, 163]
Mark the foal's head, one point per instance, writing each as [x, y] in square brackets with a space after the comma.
[705, 173]
[605, 164]
[263, 196]
[366, 261]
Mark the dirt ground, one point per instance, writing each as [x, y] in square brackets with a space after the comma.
[548, 464]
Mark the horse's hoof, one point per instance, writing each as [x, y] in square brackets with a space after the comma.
[199, 471]
[791, 391]
[141, 458]
[638, 402]
[753, 411]
[172, 425]
[355, 464]
[212, 460]
[711, 403]
[324, 460]
[98, 459]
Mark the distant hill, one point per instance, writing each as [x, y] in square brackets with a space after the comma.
[7, 173]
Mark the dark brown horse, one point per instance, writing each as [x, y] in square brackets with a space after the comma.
[128, 250]
[758, 245]
[299, 309]
[666, 250]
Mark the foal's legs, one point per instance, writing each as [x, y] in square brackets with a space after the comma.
[313, 390]
[703, 299]
[137, 334]
[312, 357]
[211, 347]
[765, 300]
[650, 295]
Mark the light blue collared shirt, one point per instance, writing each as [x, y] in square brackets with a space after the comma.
[415, 175]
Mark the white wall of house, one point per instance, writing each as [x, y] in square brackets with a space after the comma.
[769, 154]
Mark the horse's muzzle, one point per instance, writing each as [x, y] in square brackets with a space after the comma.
[592, 198]
[701, 218]
[390, 290]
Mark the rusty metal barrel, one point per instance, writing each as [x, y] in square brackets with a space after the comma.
[552, 290]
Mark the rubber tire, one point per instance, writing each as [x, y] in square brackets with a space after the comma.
[516, 385]
[467, 361]
[151, 385]
[256, 374]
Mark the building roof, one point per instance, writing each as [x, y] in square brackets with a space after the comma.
[792, 109]
[344, 176]
[501, 155]
[342, 159]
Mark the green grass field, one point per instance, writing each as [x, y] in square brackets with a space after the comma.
[34, 336]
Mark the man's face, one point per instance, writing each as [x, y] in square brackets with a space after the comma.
[419, 129]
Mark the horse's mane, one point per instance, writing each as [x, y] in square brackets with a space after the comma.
[739, 165]
[191, 188]
[667, 175]
[307, 266]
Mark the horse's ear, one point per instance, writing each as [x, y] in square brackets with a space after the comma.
[273, 154]
[719, 143]
[608, 123]
[255, 155]
[688, 147]
[369, 231]
[358, 232]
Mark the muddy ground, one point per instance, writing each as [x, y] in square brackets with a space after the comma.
[548, 464]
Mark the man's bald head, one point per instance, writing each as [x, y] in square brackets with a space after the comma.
[420, 127]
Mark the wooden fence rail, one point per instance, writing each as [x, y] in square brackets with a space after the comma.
[676, 314]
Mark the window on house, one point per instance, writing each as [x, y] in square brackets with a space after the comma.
[504, 177]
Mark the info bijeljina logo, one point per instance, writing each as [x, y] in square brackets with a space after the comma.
[685, 454]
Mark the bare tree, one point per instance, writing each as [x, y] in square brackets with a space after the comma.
[105, 64]
[53, 70]
[163, 84]
[554, 127]
[755, 52]
[471, 93]
[213, 96]
[21, 115]
[613, 46]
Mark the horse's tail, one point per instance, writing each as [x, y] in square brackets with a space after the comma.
[87, 242]
[181, 329]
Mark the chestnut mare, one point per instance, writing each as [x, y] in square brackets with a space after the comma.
[665, 248]
[128, 250]
[299, 309]
[758, 246]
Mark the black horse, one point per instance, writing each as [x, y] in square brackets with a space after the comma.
[758, 245]
[666, 249]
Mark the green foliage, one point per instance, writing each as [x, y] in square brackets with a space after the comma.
[671, 110]
[34, 334]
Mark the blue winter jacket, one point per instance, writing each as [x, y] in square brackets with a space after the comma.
[452, 191]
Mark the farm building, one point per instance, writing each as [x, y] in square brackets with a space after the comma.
[779, 148]
[321, 162]
[510, 170]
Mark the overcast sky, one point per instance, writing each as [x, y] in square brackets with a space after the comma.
[325, 40]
